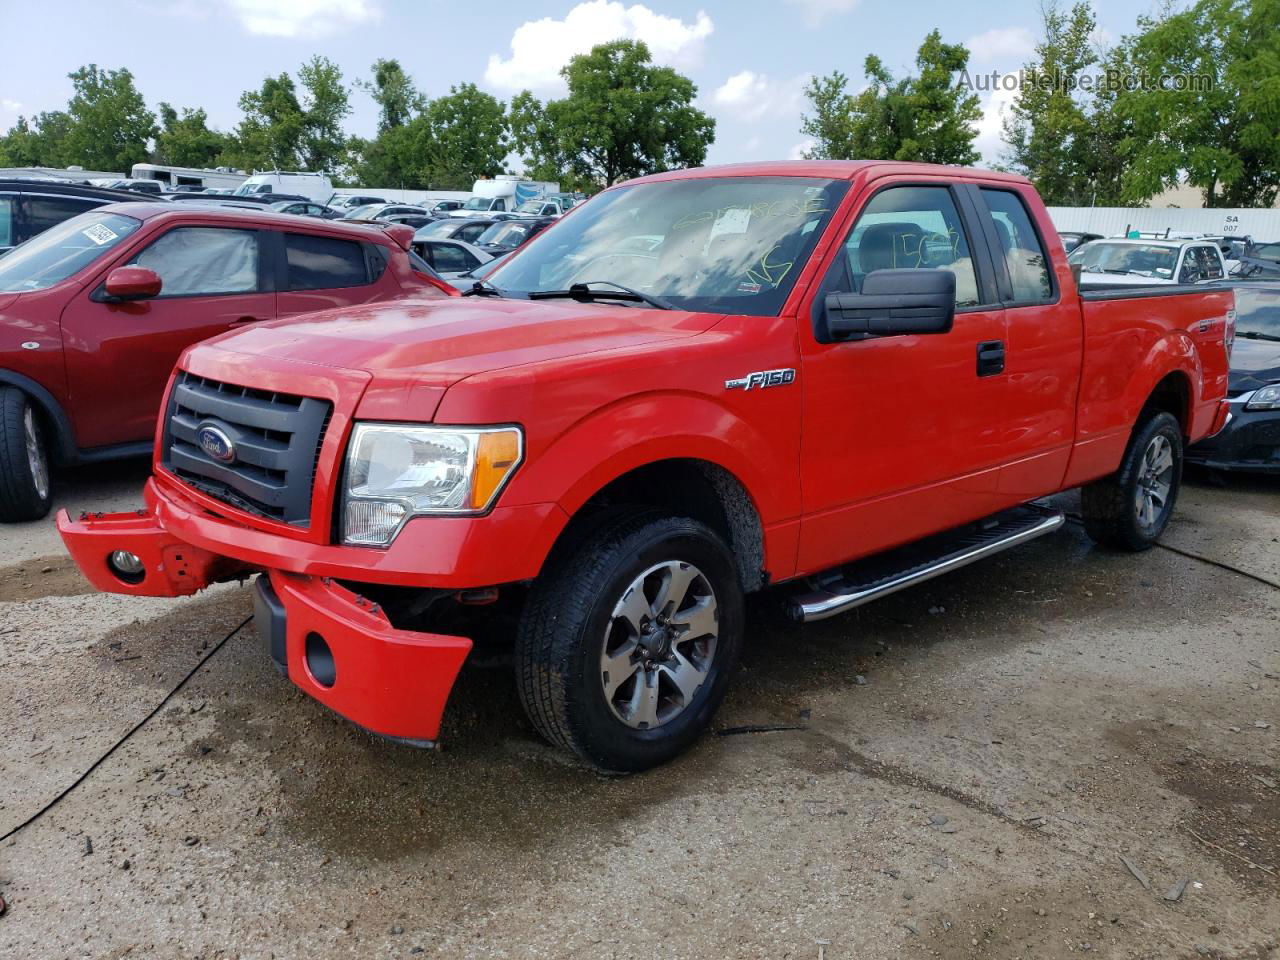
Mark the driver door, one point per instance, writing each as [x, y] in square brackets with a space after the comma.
[901, 435]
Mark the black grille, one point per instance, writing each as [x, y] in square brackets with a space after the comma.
[277, 445]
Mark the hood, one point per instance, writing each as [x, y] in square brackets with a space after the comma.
[1254, 363]
[439, 342]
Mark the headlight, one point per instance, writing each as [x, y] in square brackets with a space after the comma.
[1268, 398]
[395, 471]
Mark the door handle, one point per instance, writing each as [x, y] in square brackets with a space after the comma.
[990, 358]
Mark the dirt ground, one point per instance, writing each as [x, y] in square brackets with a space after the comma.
[1059, 751]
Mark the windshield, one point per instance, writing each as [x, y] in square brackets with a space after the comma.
[362, 213]
[731, 245]
[507, 233]
[438, 228]
[1257, 312]
[1265, 251]
[1139, 259]
[477, 203]
[247, 189]
[530, 206]
[61, 251]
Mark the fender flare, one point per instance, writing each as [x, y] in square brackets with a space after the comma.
[1173, 353]
[52, 409]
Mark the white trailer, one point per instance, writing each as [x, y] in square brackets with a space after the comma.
[314, 186]
[417, 197]
[223, 178]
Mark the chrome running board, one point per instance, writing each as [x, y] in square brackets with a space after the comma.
[875, 577]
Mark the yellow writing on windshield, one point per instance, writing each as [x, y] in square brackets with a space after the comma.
[771, 273]
[765, 209]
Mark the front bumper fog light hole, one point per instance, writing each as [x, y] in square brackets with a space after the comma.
[127, 566]
[320, 660]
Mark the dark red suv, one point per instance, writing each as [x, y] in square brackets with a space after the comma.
[94, 312]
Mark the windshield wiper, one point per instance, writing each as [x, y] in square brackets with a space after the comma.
[482, 288]
[583, 291]
[1257, 335]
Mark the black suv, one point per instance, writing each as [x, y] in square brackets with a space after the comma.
[30, 206]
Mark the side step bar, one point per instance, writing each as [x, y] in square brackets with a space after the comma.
[874, 577]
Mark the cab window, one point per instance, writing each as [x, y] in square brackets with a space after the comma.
[1023, 255]
[321, 263]
[907, 228]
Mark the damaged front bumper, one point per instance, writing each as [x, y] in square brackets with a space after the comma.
[332, 643]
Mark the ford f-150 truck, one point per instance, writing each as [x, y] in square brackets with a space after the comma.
[846, 377]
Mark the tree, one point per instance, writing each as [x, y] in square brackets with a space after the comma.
[325, 104]
[460, 137]
[1051, 134]
[1222, 135]
[38, 142]
[187, 140]
[109, 123]
[393, 91]
[926, 117]
[270, 135]
[623, 117]
[534, 136]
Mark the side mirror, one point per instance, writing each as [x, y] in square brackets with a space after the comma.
[132, 283]
[893, 303]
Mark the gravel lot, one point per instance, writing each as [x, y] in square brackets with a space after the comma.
[964, 770]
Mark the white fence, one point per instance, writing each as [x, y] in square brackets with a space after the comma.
[1261, 224]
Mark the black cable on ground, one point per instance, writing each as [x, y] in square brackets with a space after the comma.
[1076, 518]
[124, 739]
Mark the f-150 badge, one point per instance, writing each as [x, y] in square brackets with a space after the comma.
[761, 379]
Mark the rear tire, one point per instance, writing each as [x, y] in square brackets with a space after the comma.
[628, 640]
[1130, 509]
[24, 459]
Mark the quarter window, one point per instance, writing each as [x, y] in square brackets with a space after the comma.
[321, 263]
[6, 222]
[908, 228]
[1023, 255]
[448, 258]
[203, 261]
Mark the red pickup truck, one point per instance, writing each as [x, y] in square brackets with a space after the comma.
[844, 377]
[94, 312]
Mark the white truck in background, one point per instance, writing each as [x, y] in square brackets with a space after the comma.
[503, 194]
[314, 186]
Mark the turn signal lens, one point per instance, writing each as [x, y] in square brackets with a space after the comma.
[496, 455]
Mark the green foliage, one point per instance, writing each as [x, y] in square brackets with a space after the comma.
[1225, 139]
[460, 137]
[37, 142]
[623, 117]
[326, 102]
[1057, 136]
[926, 117]
[393, 91]
[270, 135]
[109, 124]
[187, 140]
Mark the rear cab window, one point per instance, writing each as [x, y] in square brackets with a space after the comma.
[1020, 246]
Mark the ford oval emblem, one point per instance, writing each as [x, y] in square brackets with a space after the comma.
[216, 444]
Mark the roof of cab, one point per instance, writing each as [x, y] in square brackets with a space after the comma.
[829, 169]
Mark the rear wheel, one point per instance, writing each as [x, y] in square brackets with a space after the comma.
[24, 459]
[628, 641]
[1131, 508]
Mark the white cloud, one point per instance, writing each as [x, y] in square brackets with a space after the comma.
[815, 11]
[1002, 45]
[749, 96]
[539, 48]
[10, 106]
[302, 18]
[995, 106]
[801, 148]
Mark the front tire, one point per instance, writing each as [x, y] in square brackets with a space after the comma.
[24, 459]
[629, 639]
[1130, 509]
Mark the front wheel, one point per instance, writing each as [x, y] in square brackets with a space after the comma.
[1131, 508]
[24, 459]
[628, 641]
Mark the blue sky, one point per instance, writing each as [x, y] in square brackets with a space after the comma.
[749, 58]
